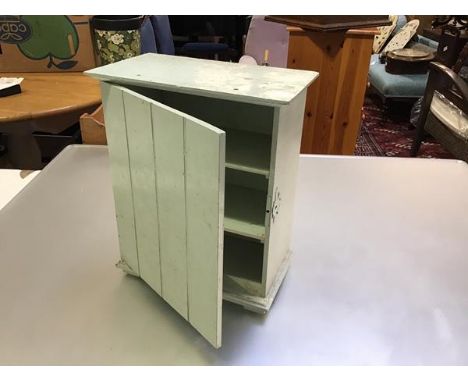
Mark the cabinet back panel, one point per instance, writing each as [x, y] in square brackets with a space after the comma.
[248, 151]
[218, 112]
[245, 211]
[245, 179]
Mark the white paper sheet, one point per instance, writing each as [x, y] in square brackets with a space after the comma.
[6, 82]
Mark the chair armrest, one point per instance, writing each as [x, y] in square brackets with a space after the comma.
[441, 78]
[452, 76]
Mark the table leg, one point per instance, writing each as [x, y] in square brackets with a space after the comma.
[23, 151]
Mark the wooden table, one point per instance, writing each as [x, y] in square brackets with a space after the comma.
[333, 108]
[49, 102]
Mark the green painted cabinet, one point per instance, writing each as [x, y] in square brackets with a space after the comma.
[203, 159]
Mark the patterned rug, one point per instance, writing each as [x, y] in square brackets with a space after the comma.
[388, 132]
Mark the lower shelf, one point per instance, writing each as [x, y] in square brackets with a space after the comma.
[245, 210]
[243, 258]
[243, 292]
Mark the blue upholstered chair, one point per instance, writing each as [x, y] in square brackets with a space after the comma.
[163, 34]
[400, 86]
[156, 36]
[206, 49]
[165, 42]
[148, 38]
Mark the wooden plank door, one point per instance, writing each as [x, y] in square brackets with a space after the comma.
[168, 180]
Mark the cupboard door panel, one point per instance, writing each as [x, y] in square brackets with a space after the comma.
[204, 176]
[168, 134]
[142, 171]
[177, 182]
[120, 172]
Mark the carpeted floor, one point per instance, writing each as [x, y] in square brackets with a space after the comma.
[388, 132]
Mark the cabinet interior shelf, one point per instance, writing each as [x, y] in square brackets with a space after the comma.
[243, 258]
[245, 211]
[248, 151]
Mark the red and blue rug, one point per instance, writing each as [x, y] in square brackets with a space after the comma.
[388, 132]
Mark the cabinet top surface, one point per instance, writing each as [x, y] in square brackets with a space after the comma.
[226, 80]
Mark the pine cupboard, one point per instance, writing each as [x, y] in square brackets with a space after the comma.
[203, 159]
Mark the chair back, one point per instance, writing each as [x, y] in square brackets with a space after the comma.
[266, 35]
[163, 34]
[148, 39]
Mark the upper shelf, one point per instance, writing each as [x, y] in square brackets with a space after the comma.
[249, 152]
[232, 81]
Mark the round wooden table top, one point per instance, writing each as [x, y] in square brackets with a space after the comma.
[48, 95]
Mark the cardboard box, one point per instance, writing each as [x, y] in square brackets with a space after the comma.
[46, 44]
[93, 129]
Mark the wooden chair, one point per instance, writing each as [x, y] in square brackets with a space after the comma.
[444, 111]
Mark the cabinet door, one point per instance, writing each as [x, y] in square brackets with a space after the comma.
[168, 180]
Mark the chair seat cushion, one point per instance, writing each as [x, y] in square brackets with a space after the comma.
[395, 85]
[450, 115]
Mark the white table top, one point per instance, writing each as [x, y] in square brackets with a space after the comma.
[378, 274]
[225, 80]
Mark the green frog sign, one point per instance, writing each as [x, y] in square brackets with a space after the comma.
[40, 37]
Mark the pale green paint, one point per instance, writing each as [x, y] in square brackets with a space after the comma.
[243, 258]
[245, 211]
[120, 172]
[241, 286]
[285, 158]
[262, 119]
[218, 79]
[140, 146]
[224, 114]
[247, 151]
[178, 193]
[247, 179]
[248, 127]
[168, 135]
[204, 192]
